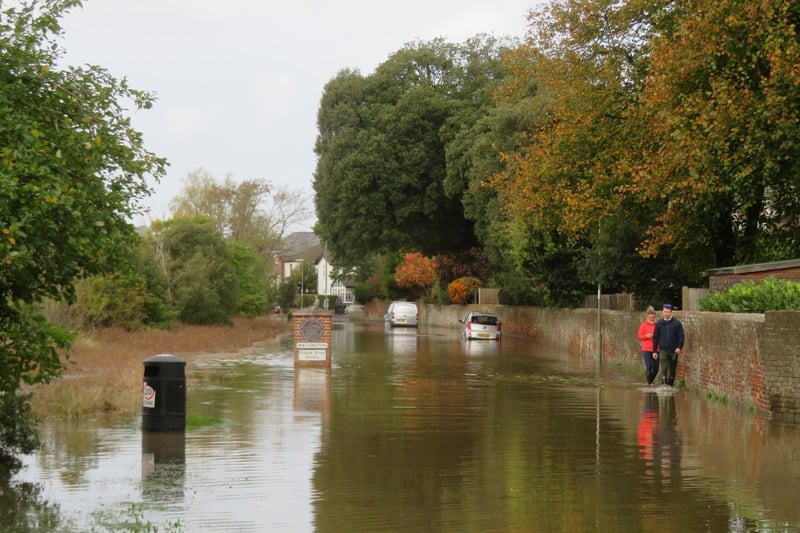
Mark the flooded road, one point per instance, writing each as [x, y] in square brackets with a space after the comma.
[416, 430]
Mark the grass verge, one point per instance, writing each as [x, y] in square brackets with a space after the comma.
[104, 373]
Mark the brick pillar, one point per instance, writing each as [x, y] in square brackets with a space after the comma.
[312, 338]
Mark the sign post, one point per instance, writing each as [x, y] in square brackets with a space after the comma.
[312, 338]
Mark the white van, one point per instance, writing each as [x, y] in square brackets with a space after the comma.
[402, 314]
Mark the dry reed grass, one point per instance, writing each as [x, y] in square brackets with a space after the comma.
[104, 373]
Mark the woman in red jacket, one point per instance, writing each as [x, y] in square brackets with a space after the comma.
[645, 336]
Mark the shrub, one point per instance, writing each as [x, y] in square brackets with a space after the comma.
[461, 289]
[439, 296]
[748, 297]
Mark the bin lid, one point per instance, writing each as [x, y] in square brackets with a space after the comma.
[164, 359]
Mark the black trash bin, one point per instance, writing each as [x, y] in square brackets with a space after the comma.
[164, 394]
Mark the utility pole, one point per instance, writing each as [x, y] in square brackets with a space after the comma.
[599, 306]
[599, 329]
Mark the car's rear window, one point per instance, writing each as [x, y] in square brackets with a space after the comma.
[486, 320]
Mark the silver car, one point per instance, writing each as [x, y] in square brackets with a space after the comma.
[481, 326]
[402, 314]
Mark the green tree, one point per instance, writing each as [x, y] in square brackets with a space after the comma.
[202, 279]
[72, 175]
[253, 211]
[253, 279]
[382, 146]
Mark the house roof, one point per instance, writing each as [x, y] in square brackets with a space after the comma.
[301, 246]
[755, 267]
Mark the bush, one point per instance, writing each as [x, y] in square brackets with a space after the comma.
[462, 289]
[748, 297]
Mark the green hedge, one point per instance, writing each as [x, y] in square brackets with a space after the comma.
[748, 297]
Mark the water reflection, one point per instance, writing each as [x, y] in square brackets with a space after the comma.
[659, 439]
[444, 436]
[667, 445]
[401, 340]
[23, 507]
[480, 347]
[163, 465]
[312, 389]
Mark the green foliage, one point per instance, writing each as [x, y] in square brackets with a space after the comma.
[614, 262]
[382, 146]
[385, 273]
[16, 436]
[72, 173]
[112, 300]
[157, 311]
[439, 296]
[252, 279]
[304, 277]
[361, 293]
[202, 283]
[749, 297]
[252, 210]
[201, 421]
[674, 127]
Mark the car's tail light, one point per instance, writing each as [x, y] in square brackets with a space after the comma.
[499, 326]
[469, 326]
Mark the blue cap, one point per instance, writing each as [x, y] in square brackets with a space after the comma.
[667, 306]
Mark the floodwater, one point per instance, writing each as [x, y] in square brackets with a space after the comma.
[416, 430]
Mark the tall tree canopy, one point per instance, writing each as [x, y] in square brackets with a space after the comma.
[253, 210]
[382, 146]
[679, 118]
[72, 174]
[722, 102]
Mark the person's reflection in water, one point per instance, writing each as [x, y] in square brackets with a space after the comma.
[646, 432]
[667, 446]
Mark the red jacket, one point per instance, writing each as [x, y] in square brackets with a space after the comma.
[645, 328]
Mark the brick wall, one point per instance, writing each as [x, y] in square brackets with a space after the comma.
[721, 282]
[780, 359]
[750, 359]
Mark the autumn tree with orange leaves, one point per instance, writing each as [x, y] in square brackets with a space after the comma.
[667, 138]
[416, 273]
[722, 103]
[564, 192]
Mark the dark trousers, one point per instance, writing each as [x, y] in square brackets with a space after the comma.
[650, 366]
[669, 364]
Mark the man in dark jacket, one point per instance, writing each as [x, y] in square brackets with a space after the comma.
[668, 340]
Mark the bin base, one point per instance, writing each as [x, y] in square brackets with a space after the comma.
[164, 422]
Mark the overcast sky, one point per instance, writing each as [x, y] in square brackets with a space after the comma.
[239, 82]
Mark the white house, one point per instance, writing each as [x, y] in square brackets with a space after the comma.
[326, 284]
[303, 249]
